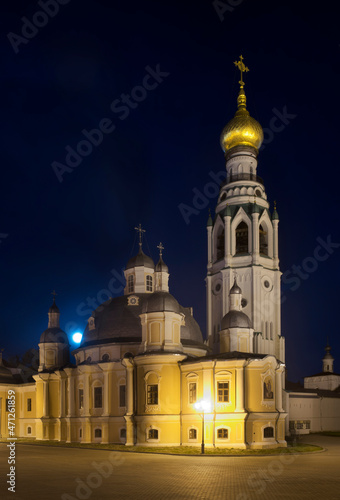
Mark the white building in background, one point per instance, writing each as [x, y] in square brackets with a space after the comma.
[315, 406]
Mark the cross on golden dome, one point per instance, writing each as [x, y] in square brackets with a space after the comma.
[140, 230]
[243, 69]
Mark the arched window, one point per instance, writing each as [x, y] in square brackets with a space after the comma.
[123, 433]
[105, 357]
[222, 433]
[153, 434]
[131, 286]
[192, 434]
[80, 433]
[29, 430]
[268, 432]
[223, 197]
[263, 241]
[241, 238]
[220, 244]
[149, 283]
[97, 433]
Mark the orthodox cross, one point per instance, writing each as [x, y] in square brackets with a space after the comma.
[54, 295]
[140, 231]
[243, 69]
[161, 248]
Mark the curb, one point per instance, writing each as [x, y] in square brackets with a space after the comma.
[295, 453]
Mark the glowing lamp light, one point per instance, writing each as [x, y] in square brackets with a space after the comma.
[76, 337]
[203, 406]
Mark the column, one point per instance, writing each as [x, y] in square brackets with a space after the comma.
[209, 233]
[129, 389]
[61, 397]
[239, 390]
[106, 394]
[128, 363]
[278, 387]
[256, 238]
[45, 398]
[70, 395]
[227, 240]
[86, 384]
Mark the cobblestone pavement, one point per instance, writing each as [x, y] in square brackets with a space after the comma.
[47, 473]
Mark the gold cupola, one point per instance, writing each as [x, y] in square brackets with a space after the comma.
[242, 130]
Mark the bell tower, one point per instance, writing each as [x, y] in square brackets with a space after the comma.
[243, 238]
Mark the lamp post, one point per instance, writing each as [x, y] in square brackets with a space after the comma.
[203, 406]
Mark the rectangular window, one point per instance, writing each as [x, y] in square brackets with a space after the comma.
[153, 434]
[152, 395]
[192, 392]
[81, 398]
[307, 422]
[98, 397]
[122, 393]
[29, 404]
[130, 283]
[149, 283]
[222, 392]
[222, 433]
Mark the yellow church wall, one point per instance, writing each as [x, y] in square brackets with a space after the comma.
[167, 377]
[168, 427]
[256, 375]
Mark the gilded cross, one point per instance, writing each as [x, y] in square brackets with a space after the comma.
[161, 248]
[243, 69]
[140, 231]
[54, 294]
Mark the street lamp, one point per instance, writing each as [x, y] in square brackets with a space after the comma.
[203, 407]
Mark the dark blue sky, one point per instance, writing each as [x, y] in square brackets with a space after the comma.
[77, 234]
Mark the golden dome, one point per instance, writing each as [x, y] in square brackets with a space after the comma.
[242, 130]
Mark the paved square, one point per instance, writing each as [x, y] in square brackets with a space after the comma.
[47, 473]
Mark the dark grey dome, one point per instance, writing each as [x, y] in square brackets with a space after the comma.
[328, 356]
[54, 334]
[5, 372]
[161, 266]
[117, 321]
[234, 319]
[140, 260]
[161, 301]
[191, 332]
[235, 288]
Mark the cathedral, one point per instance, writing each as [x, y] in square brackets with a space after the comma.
[143, 373]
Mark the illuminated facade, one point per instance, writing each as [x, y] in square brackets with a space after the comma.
[142, 364]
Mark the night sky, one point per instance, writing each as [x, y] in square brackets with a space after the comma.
[72, 74]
